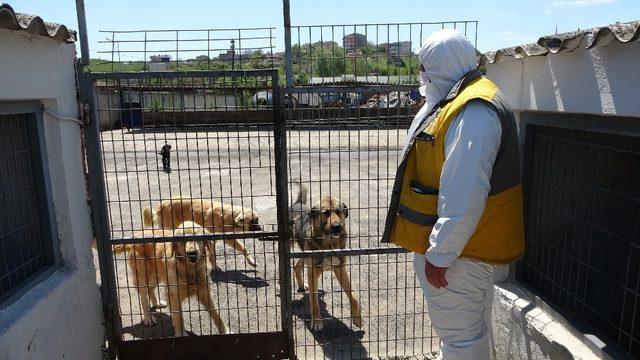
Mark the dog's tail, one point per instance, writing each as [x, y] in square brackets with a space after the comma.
[302, 195]
[147, 218]
[117, 249]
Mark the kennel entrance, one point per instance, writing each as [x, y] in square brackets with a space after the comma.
[223, 150]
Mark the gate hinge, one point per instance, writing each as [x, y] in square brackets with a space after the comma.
[85, 114]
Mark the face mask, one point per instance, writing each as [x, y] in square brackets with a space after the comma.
[424, 83]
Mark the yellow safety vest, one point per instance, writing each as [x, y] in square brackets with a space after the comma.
[499, 235]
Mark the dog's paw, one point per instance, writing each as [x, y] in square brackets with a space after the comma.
[302, 289]
[251, 260]
[160, 305]
[225, 330]
[317, 325]
[148, 320]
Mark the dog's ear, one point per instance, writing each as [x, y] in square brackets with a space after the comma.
[208, 218]
[345, 209]
[315, 211]
[147, 218]
[238, 218]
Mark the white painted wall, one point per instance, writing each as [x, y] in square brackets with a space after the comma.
[61, 316]
[601, 80]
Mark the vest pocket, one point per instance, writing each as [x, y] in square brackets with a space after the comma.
[415, 217]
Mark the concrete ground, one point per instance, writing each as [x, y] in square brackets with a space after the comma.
[238, 167]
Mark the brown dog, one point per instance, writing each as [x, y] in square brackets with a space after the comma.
[323, 227]
[213, 216]
[180, 265]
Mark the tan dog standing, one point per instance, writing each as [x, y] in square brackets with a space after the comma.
[213, 216]
[323, 227]
[180, 265]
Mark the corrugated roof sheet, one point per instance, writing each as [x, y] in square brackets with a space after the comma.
[34, 25]
[569, 41]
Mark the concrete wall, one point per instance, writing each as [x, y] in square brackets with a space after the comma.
[60, 317]
[524, 327]
[599, 80]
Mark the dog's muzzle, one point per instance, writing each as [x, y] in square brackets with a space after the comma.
[336, 229]
[192, 256]
[255, 227]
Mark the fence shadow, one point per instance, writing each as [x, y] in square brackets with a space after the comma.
[337, 340]
[162, 328]
[239, 277]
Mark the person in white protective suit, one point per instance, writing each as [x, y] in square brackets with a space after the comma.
[457, 198]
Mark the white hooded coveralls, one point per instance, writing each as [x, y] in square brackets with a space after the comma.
[461, 312]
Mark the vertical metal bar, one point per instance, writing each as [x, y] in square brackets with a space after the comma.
[287, 44]
[82, 29]
[280, 146]
[100, 220]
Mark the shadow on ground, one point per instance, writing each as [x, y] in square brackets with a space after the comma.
[338, 341]
[239, 277]
[162, 328]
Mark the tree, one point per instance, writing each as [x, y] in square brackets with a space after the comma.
[329, 67]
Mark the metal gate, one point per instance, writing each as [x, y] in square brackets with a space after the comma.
[238, 139]
[222, 158]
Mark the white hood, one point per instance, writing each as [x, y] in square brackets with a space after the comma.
[446, 56]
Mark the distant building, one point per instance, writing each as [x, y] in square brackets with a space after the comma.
[160, 63]
[353, 41]
[202, 58]
[229, 55]
[400, 48]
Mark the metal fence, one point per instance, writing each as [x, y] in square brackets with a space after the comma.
[351, 155]
[195, 158]
[364, 53]
[187, 49]
[582, 205]
[232, 143]
[27, 233]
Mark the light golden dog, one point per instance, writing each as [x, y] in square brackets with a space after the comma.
[213, 216]
[180, 265]
[323, 227]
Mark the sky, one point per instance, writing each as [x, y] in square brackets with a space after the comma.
[500, 23]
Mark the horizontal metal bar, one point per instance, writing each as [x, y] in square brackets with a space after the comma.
[347, 252]
[387, 24]
[185, 50]
[233, 346]
[178, 238]
[182, 30]
[180, 74]
[356, 88]
[184, 40]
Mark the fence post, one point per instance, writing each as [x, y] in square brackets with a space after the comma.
[284, 243]
[82, 29]
[287, 44]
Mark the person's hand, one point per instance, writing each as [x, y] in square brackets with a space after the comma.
[435, 275]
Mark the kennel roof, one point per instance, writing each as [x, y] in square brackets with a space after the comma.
[34, 25]
[595, 37]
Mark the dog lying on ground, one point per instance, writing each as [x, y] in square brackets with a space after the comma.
[213, 216]
[322, 227]
[180, 265]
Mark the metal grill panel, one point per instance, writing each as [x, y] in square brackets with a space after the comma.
[351, 152]
[583, 215]
[222, 151]
[22, 244]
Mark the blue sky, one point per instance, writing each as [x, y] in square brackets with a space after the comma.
[501, 23]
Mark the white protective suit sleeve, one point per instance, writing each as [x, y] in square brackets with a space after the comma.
[471, 146]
